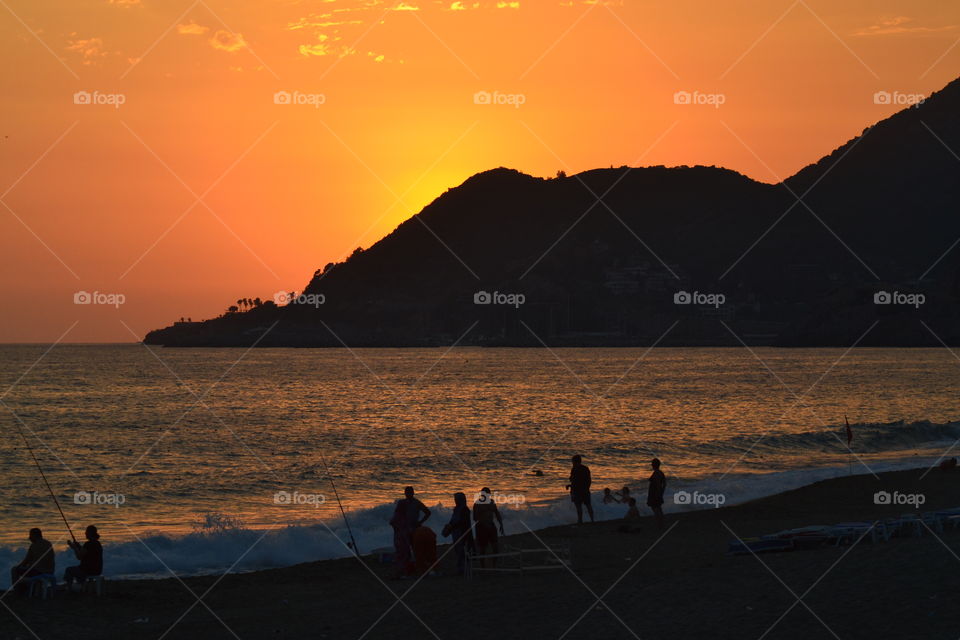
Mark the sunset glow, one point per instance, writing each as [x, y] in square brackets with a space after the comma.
[232, 148]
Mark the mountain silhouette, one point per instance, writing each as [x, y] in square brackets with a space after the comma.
[856, 248]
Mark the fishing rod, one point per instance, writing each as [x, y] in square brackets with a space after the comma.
[353, 543]
[44, 476]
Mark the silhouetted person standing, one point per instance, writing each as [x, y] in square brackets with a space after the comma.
[658, 484]
[90, 555]
[39, 560]
[484, 512]
[460, 530]
[406, 520]
[579, 487]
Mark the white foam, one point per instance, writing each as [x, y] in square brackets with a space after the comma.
[159, 556]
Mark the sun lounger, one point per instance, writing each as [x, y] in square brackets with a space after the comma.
[911, 524]
[851, 532]
[804, 537]
[759, 545]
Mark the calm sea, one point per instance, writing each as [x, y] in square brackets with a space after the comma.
[193, 454]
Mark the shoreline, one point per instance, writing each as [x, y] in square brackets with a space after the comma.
[689, 562]
[317, 540]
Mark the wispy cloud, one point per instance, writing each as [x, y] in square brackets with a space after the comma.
[192, 29]
[322, 21]
[227, 41]
[90, 49]
[901, 25]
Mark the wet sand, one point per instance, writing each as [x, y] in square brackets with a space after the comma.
[678, 584]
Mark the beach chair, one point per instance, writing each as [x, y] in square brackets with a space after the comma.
[508, 560]
[551, 557]
[517, 559]
[949, 518]
[934, 520]
[42, 586]
[383, 555]
[93, 584]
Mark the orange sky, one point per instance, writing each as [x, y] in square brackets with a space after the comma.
[98, 197]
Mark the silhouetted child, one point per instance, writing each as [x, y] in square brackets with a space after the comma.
[608, 497]
[633, 513]
[624, 495]
[424, 549]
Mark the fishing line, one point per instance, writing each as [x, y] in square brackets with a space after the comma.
[44, 476]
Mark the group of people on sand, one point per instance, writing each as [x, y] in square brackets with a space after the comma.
[415, 544]
[40, 561]
[579, 487]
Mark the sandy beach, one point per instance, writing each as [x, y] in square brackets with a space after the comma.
[624, 585]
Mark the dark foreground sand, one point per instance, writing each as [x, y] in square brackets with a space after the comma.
[685, 587]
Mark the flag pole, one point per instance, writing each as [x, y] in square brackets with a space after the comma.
[849, 450]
